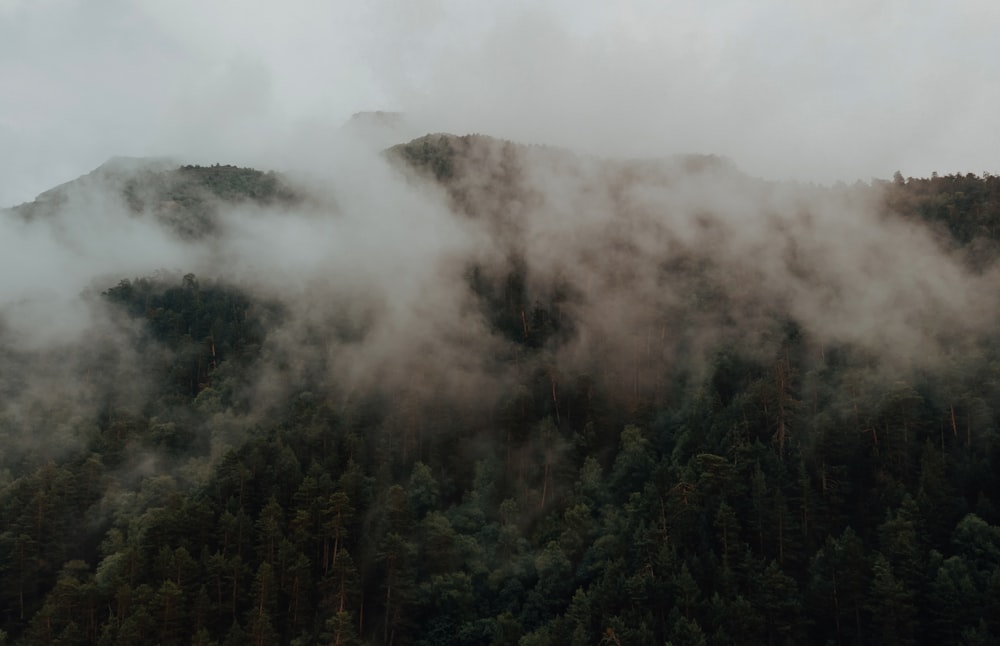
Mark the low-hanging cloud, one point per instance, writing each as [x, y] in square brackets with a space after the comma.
[787, 89]
[650, 263]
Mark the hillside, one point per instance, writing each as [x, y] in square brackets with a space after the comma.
[184, 199]
[503, 394]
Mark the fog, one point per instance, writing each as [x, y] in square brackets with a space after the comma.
[788, 90]
[635, 249]
[653, 264]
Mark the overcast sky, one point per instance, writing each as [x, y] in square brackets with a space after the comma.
[817, 91]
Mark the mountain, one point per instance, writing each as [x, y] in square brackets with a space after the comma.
[473, 391]
[184, 199]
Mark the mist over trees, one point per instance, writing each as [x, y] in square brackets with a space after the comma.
[469, 391]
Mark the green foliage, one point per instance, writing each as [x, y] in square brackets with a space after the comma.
[432, 153]
[187, 200]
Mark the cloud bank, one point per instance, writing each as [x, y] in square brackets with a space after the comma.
[786, 89]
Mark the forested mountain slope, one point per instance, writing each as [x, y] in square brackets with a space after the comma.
[508, 394]
[185, 199]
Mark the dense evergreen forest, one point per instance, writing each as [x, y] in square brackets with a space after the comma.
[628, 430]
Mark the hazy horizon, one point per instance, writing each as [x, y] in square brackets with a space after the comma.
[815, 93]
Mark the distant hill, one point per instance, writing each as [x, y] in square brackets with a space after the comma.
[183, 198]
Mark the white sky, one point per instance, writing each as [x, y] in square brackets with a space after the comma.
[817, 91]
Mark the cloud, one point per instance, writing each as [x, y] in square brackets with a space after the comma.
[48, 263]
[787, 89]
[781, 88]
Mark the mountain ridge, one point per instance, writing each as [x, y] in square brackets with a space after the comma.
[500, 394]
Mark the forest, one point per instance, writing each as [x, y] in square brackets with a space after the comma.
[510, 395]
